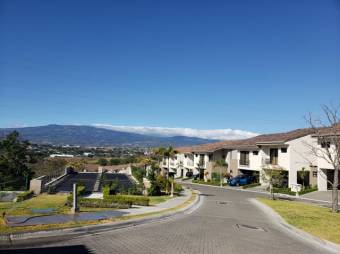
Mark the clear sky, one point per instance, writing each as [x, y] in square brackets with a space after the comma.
[252, 65]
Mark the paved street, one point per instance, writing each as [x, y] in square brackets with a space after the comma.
[226, 222]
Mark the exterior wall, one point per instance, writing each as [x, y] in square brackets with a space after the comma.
[322, 180]
[233, 163]
[255, 161]
[322, 163]
[283, 158]
[300, 156]
[323, 166]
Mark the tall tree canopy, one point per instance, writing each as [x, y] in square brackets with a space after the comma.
[14, 157]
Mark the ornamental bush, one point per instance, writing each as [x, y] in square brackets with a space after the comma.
[129, 199]
[98, 203]
[25, 195]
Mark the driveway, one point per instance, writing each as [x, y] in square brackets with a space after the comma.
[320, 195]
[226, 222]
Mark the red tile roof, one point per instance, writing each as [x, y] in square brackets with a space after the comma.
[250, 143]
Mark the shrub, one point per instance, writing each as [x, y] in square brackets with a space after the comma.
[103, 162]
[138, 173]
[250, 185]
[215, 176]
[308, 189]
[134, 190]
[129, 199]
[106, 191]
[154, 190]
[177, 187]
[97, 203]
[25, 195]
[80, 190]
[162, 182]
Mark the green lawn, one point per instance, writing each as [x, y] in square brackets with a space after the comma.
[316, 220]
[41, 201]
[158, 199]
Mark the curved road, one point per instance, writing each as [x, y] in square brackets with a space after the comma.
[215, 227]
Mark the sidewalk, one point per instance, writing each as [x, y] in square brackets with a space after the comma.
[19, 221]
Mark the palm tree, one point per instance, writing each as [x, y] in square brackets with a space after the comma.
[169, 153]
[221, 164]
[147, 161]
[159, 154]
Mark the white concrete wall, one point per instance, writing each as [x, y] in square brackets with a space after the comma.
[255, 161]
[322, 180]
[324, 163]
[300, 156]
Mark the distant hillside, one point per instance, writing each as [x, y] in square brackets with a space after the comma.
[92, 136]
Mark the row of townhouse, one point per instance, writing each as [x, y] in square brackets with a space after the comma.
[289, 151]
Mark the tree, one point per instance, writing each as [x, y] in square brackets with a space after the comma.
[302, 174]
[115, 161]
[327, 132]
[155, 188]
[221, 164]
[274, 177]
[14, 157]
[168, 154]
[52, 167]
[102, 162]
[78, 165]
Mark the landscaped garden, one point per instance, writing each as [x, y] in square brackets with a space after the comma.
[316, 220]
[115, 196]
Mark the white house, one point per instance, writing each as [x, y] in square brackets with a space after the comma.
[288, 151]
[328, 140]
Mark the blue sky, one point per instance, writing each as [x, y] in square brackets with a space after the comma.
[258, 66]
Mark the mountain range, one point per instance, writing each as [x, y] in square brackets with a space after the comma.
[94, 136]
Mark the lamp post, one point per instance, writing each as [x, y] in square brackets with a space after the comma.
[75, 207]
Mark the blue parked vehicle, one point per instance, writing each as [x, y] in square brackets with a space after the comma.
[240, 180]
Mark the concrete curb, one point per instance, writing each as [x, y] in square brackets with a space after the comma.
[43, 237]
[318, 243]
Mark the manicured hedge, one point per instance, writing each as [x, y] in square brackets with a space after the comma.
[25, 195]
[122, 199]
[98, 203]
[131, 199]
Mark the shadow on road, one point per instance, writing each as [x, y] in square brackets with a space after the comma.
[74, 249]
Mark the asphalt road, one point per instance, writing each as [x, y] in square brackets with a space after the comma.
[226, 222]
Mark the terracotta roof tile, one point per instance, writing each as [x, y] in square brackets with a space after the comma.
[250, 143]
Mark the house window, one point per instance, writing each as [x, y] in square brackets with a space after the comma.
[185, 156]
[210, 157]
[255, 152]
[244, 158]
[284, 150]
[273, 156]
[325, 144]
[223, 156]
[196, 155]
